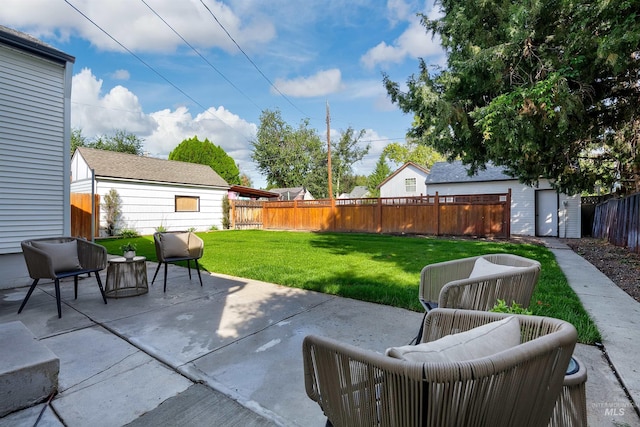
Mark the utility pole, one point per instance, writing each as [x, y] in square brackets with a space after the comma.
[329, 152]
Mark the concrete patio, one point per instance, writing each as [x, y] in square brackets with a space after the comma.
[229, 353]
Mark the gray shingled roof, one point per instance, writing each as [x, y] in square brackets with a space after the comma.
[111, 164]
[25, 41]
[358, 191]
[445, 172]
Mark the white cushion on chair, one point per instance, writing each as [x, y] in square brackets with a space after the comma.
[64, 255]
[482, 267]
[175, 245]
[475, 343]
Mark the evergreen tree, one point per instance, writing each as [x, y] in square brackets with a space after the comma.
[193, 150]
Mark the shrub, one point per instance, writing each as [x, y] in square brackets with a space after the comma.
[128, 233]
[226, 222]
[112, 206]
[502, 307]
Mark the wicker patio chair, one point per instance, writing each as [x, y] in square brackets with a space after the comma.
[518, 386]
[571, 406]
[174, 246]
[463, 284]
[59, 257]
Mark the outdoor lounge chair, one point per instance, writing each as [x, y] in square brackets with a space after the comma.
[59, 257]
[177, 246]
[517, 386]
[477, 283]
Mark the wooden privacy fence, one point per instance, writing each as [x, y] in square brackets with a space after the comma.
[618, 221]
[457, 215]
[81, 215]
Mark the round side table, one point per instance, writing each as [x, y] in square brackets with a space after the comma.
[126, 277]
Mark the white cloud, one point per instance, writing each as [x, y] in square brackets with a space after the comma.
[320, 84]
[121, 75]
[99, 114]
[414, 42]
[399, 10]
[136, 26]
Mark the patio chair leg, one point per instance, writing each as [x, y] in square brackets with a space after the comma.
[104, 297]
[57, 284]
[189, 268]
[26, 298]
[154, 276]
[75, 287]
[198, 269]
[416, 340]
[165, 276]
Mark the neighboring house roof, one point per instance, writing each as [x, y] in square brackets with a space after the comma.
[358, 192]
[29, 43]
[452, 172]
[401, 168]
[243, 191]
[293, 193]
[112, 164]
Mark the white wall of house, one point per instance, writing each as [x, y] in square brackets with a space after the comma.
[148, 205]
[523, 207]
[400, 184]
[35, 93]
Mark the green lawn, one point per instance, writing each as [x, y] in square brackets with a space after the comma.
[370, 267]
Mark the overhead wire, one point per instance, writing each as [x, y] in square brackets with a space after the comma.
[205, 110]
[200, 55]
[251, 61]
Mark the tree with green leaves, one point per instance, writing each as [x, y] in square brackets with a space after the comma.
[379, 174]
[545, 88]
[205, 152]
[121, 141]
[77, 140]
[344, 154]
[288, 157]
[412, 151]
[245, 180]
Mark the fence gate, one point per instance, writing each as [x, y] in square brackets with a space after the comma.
[245, 214]
[81, 215]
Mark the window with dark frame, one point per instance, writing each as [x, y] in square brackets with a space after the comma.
[187, 204]
[410, 185]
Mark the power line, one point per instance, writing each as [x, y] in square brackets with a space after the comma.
[200, 55]
[251, 61]
[206, 110]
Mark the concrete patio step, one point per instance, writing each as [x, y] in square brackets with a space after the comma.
[28, 369]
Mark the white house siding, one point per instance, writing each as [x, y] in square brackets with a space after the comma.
[523, 210]
[34, 199]
[395, 187]
[147, 206]
[35, 92]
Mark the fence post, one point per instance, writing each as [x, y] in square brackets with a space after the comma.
[379, 227]
[437, 203]
[507, 215]
[232, 214]
[334, 212]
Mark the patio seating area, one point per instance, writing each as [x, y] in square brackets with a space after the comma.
[230, 352]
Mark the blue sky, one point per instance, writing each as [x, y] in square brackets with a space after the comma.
[312, 51]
